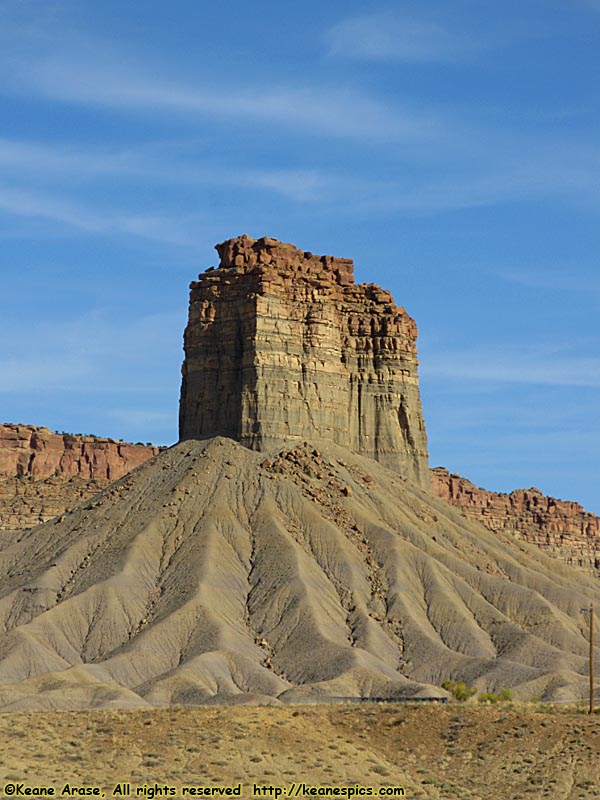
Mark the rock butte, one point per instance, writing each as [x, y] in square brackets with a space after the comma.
[282, 345]
[214, 573]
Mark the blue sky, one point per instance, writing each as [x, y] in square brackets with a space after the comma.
[451, 148]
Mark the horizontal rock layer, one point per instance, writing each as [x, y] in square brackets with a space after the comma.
[43, 474]
[282, 345]
[217, 574]
[560, 527]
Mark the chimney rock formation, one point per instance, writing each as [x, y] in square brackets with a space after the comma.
[282, 345]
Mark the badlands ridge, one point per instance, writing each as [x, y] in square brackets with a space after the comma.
[289, 546]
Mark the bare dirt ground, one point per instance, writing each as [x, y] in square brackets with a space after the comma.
[432, 751]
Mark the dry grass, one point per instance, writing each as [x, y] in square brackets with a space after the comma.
[457, 751]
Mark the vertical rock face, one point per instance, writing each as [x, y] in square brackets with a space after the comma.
[28, 451]
[281, 345]
[43, 474]
[559, 527]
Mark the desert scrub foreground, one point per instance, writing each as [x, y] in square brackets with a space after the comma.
[465, 751]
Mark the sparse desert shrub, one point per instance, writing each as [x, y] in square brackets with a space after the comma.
[380, 770]
[459, 690]
[503, 696]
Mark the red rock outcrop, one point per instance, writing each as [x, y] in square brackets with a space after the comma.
[560, 527]
[282, 345]
[43, 474]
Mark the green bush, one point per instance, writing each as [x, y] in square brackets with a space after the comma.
[459, 690]
[503, 696]
[487, 697]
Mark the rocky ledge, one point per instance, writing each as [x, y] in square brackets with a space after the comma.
[559, 527]
[43, 474]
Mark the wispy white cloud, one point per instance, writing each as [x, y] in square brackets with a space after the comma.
[32, 157]
[142, 419]
[525, 366]
[87, 219]
[152, 163]
[34, 373]
[338, 112]
[25, 203]
[304, 185]
[560, 280]
[441, 161]
[394, 36]
[29, 170]
[63, 65]
[510, 168]
[68, 211]
[90, 353]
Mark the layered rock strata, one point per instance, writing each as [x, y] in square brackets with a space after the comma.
[43, 474]
[215, 574]
[559, 527]
[282, 345]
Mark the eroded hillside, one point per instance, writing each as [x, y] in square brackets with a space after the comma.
[216, 573]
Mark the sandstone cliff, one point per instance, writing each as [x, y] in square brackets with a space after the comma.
[43, 474]
[560, 527]
[282, 345]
